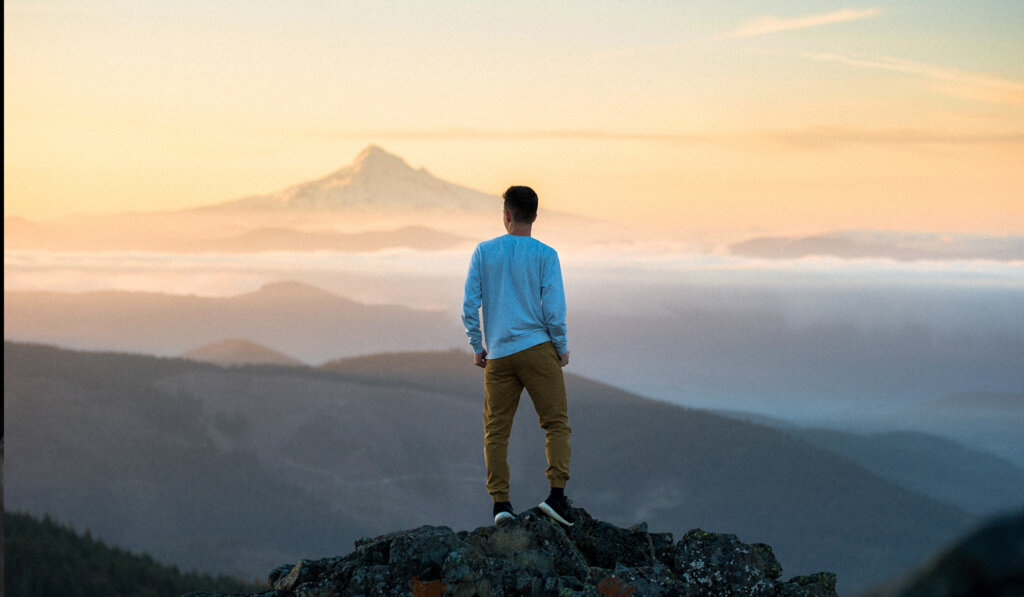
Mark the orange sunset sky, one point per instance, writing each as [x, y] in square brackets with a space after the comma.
[695, 116]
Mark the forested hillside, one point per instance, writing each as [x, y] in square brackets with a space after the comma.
[43, 558]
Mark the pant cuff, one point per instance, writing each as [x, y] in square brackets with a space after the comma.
[500, 497]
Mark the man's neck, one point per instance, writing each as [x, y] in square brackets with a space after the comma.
[519, 229]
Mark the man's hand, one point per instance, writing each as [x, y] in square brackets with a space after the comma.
[563, 359]
[480, 359]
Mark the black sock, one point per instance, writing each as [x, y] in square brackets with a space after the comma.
[557, 492]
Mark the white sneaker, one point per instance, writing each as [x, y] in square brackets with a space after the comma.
[503, 511]
[558, 510]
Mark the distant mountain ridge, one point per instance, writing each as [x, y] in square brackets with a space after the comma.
[238, 351]
[976, 481]
[302, 321]
[718, 351]
[992, 420]
[1010, 403]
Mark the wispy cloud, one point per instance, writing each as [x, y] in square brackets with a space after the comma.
[819, 137]
[772, 24]
[952, 81]
[804, 138]
[444, 134]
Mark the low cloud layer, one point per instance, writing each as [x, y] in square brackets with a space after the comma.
[903, 246]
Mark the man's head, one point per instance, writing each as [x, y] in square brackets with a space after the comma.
[521, 203]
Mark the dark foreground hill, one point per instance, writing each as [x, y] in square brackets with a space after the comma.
[534, 556]
[989, 562]
[42, 557]
[238, 470]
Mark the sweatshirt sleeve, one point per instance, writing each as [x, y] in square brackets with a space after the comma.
[471, 301]
[552, 296]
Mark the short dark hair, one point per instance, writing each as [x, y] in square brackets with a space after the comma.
[521, 202]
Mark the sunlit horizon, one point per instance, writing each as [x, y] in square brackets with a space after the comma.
[686, 118]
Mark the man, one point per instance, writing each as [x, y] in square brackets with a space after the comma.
[516, 281]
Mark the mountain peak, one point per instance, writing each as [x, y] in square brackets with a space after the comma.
[239, 351]
[376, 161]
[374, 183]
[287, 292]
[292, 288]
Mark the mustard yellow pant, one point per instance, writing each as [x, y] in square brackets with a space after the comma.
[536, 369]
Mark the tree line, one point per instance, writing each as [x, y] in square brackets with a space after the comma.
[44, 558]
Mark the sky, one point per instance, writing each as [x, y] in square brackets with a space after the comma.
[752, 117]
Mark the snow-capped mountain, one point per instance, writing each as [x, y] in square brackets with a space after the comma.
[375, 203]
[376, 180]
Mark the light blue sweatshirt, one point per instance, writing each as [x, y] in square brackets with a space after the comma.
[517, 280]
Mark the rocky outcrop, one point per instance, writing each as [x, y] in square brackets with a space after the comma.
[533, 556]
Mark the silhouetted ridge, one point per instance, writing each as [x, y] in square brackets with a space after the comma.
[239, 351]
[534, 556]
[294, 290]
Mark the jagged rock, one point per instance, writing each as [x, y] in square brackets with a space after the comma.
[534, 556]
[716, 563]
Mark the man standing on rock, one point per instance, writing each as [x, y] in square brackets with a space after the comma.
[516, 281]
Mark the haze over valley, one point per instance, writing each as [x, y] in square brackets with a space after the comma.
[832, 338]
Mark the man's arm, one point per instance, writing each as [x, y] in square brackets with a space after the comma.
[552, 296]
[471, 301]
